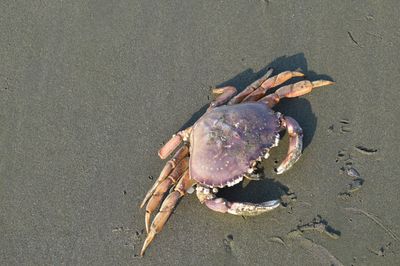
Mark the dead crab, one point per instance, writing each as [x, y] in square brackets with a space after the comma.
[224, 146]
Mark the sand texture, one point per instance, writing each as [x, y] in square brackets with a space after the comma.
[91, 89]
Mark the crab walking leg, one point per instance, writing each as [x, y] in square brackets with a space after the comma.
[169, 166]
[271, 83]
[224, 95]
[294, 90]
[174, 142]
[249, 89]
[295, 144]
[166, 209]
[161, 189]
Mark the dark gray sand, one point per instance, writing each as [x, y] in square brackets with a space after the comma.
[90, 91]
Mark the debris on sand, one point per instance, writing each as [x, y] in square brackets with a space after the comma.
[320, 225]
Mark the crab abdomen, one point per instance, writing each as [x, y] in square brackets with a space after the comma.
[228, 139]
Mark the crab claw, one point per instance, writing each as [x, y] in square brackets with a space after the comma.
[241, 208]
[252, 209]
[295, 144]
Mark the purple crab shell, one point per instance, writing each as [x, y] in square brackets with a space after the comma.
[227, 140]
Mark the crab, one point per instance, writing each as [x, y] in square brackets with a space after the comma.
[224, 146]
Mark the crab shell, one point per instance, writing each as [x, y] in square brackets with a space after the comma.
[227, 141]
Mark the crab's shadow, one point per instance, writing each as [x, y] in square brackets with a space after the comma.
[299, 108]
[255, 191]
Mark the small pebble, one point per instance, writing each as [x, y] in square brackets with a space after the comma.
[353, 172]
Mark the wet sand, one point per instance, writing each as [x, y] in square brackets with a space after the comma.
[90, 91]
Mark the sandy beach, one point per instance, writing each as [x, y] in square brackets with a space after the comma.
[90, 90]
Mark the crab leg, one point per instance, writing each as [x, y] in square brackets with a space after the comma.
[169, 166]
[295, 143]
[236, 208]
[293, 90]
[161, 189]
[249, 89]
[224, 95]
[174, 142]
[166, 209]
[271, 83]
